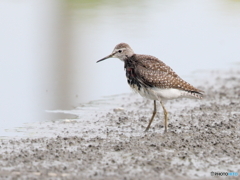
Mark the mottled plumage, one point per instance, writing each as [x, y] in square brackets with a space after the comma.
[152, 78]
[148, 71]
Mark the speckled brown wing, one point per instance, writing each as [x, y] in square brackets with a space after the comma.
[153, 72]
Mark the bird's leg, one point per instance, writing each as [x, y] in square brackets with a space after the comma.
[165, 117]
[154, 112]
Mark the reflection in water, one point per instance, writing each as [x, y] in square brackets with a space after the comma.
[49, 49]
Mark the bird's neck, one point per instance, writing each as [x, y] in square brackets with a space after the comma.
[129, 62]
[128, 57]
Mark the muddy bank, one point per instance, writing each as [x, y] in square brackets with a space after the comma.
[107, 141]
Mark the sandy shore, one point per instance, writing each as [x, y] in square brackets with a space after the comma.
[107, 141]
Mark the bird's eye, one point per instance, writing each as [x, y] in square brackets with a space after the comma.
[120, 51]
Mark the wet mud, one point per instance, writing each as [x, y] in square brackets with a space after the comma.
[107, 140]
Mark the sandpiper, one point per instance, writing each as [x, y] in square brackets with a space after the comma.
[152, 79]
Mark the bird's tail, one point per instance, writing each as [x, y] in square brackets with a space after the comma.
[194, 94]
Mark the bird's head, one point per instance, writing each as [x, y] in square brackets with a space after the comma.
[121, 51]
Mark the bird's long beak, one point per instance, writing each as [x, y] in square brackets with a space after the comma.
[109, 56]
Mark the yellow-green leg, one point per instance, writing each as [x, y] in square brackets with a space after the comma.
[154, 112]
[165, 117]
